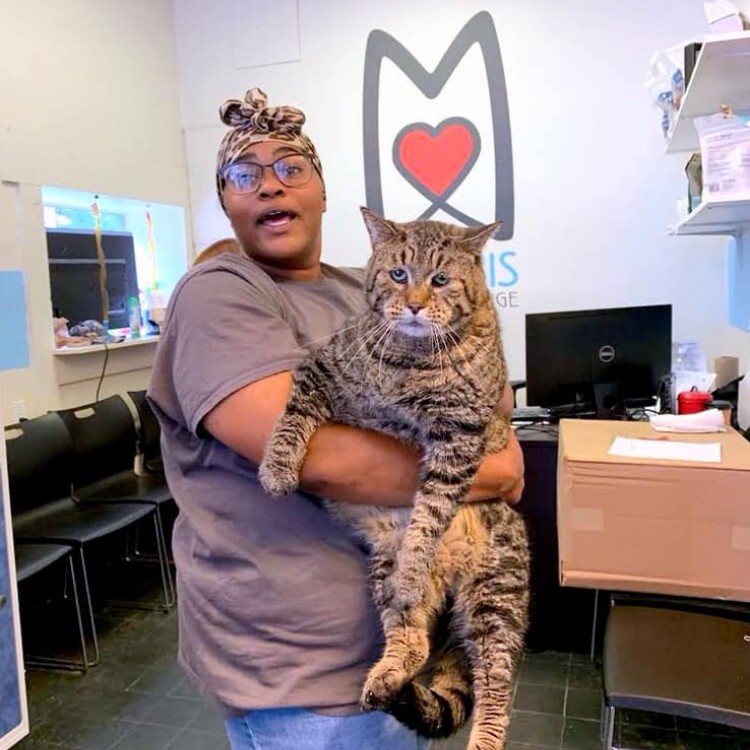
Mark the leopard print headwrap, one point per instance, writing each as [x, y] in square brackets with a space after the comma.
[252, 121]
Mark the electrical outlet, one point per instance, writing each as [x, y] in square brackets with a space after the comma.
[19, 410]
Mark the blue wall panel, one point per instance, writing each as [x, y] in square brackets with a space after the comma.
[10, 697]
[14, 345]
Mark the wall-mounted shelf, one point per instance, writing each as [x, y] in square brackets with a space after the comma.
[721, 76]
[716, 217]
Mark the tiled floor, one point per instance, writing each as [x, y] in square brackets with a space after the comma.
[558, 703]
[137, 699]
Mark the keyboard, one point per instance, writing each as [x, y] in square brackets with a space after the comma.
[579, 409]
[530, 414]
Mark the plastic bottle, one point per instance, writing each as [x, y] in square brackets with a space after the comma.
[134, 317]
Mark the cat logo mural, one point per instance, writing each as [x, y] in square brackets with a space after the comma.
[436, 159]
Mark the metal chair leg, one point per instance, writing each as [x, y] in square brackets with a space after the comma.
[162, 558]
[167, 559]
[45, 662]
[79, 617]
[609, 728]
[592, 647]
[166, 573]
[90, 606]
[162, 538]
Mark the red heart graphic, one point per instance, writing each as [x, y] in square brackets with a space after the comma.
[435, 157]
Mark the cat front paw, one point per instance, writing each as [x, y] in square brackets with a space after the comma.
[381, 687]
[277, 477]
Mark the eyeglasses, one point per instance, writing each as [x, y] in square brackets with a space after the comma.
[292, 170]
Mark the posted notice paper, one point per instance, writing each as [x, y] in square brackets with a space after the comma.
[667, 450]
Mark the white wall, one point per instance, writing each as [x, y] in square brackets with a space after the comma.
[594, 191]
[88, 100]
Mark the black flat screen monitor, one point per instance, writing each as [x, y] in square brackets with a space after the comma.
[74, 275]
[600, 361]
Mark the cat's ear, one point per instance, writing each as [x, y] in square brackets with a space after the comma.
[475, 238]
[380, 229]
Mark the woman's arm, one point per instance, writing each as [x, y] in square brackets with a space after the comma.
[347, 463]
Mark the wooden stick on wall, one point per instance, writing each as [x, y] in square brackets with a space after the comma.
[102, 265]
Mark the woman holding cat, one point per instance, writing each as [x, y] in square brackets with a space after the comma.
[275, 618]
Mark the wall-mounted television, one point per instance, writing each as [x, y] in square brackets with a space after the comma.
[74, 275]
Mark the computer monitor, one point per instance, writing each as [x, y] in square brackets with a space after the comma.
[601, 361]
[74, 275]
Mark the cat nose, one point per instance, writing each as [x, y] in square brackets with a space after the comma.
[415, 307]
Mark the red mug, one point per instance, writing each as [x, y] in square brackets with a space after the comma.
[690, 402]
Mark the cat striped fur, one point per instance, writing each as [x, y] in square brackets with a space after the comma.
[425, 364]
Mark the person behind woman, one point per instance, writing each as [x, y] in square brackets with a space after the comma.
[226, 245]
[275, 620]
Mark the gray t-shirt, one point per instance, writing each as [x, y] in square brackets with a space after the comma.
[273, 603]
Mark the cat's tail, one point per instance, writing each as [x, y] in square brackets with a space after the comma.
[430, 712]
[439, 703]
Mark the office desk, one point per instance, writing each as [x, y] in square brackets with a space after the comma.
[560, 617]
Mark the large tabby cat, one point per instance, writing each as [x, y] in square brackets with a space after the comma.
[425, 364]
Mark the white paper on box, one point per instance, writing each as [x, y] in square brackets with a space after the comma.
[666, 450]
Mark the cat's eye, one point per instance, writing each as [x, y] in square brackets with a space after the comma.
[399, 275]
[441, 278]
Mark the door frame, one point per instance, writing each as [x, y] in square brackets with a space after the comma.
[18, 732]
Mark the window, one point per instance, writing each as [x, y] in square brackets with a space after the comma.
[144, 246]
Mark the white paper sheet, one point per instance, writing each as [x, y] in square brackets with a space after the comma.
[666, 449]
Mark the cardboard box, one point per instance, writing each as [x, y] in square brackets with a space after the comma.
[638, 524]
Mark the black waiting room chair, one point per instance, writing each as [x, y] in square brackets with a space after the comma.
[40, 470]
[687, 658]
[106, 442]
[34, 558]
[149, 433]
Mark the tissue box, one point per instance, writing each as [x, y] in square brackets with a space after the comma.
[649, 525]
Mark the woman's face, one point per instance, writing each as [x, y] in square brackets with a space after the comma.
[277, 225]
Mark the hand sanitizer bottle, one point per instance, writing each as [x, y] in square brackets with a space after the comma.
[134, 315]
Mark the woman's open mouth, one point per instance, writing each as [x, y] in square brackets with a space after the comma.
[276, 218]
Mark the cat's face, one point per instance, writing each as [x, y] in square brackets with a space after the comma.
[425, 277]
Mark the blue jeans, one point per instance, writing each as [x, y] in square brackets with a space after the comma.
[299, 729]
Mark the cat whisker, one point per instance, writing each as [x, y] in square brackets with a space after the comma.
[437, 338]
[435, 349]
[335, 333]
[390, 329]
[475, 346]
[363, 342]
[450, 335]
